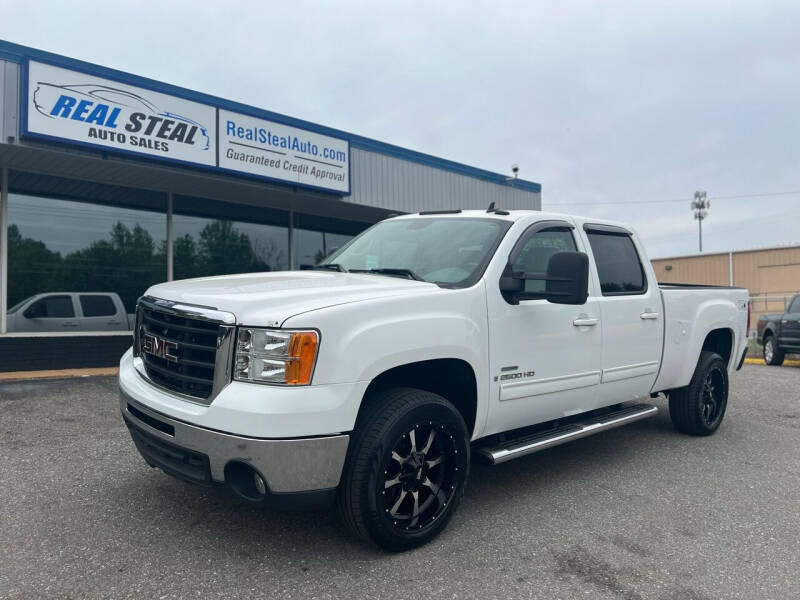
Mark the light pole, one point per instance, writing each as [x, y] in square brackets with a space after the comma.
[700, 206]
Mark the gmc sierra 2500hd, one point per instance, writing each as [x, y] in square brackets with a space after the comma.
[428, 341]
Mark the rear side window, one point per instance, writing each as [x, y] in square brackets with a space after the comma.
[794, 307]
[98, 306]
[618, 264]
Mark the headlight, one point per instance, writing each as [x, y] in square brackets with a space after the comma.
[275, 356]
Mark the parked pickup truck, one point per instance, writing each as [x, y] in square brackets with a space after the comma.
[780, 334]
[70, 311]
[428, 341]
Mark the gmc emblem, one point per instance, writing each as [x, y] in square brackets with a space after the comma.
[158, 347]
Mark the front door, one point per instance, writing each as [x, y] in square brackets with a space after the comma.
[55, 312]
[545, 358]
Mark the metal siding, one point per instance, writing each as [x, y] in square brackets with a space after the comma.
[395, 184]
[9, 100]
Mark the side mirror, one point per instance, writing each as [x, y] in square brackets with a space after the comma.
[566, 280]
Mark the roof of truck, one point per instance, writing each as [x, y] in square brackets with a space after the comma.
[513, 215]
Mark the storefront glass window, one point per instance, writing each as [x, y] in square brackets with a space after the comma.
[205, 246]
[312, 246]
[67, 249]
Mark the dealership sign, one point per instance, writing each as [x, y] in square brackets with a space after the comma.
[82, 108]
[76, 107]
[274, 150]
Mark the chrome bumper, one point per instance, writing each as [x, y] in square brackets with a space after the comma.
[294, 465]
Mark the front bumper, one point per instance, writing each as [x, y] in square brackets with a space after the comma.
[200, 455]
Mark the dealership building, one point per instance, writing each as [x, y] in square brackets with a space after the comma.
[111, 182]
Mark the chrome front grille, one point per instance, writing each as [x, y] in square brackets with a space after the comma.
[184, 349]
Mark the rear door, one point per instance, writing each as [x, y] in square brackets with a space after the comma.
[100, 313]
[631, 312]
[790, 326]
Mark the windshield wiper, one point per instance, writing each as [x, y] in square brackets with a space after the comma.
[331, 267]
[408, 273]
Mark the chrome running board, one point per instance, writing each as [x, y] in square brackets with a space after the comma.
[528, 444]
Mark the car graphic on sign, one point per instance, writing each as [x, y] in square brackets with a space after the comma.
[47, 94]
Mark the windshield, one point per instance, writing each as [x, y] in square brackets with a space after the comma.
[17, 306]
[448, 251]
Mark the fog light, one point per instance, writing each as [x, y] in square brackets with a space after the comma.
[261, 486]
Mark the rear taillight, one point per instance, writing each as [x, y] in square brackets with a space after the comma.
[748, 316]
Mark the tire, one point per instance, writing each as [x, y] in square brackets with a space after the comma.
[698, 408]
[773, 355]
[385, 482]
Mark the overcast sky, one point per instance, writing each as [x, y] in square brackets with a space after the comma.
[600, 102]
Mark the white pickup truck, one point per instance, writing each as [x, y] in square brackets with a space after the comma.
[71, 312]
[428, 341]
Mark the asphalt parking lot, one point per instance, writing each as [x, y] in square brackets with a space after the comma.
[639, 512]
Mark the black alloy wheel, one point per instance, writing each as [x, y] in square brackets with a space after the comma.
[406, 469]
[698, 408]
[714, 396]
[419, 476]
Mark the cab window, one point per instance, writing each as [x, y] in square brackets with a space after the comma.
[51, 307]
[97, 306]
[536, 253]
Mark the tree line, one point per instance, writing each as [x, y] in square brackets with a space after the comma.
[128, 261]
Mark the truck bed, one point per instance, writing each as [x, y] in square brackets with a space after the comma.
[698, 286]
[690, 312]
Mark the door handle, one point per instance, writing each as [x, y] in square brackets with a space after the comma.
[649, 315]
[585, 321]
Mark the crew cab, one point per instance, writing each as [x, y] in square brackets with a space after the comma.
[70, 311]
[427, 342]
[780, 334]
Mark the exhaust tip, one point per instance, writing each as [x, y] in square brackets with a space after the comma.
[245, 481]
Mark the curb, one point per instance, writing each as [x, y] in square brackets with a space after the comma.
[57, 374]
[760, 361]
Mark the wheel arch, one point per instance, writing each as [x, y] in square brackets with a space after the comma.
[720, 341]
[452, 378]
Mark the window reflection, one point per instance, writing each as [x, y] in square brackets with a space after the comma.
[65, 246]
[99, 259]
[312, 246]
[204, 247]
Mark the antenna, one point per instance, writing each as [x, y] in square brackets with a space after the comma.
[491, 208]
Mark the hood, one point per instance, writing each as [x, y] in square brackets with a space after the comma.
[270, 298]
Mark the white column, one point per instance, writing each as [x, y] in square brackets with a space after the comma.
[3, 249]
[730, 268]
[170, 254]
